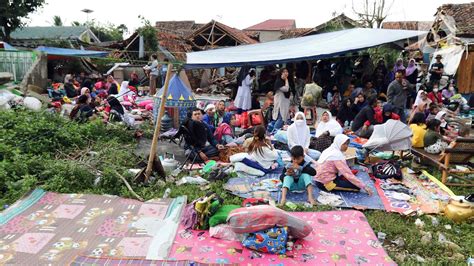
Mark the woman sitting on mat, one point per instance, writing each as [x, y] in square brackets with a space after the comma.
[262, 155]
[326, 130]
[333, 173]
[298, 135]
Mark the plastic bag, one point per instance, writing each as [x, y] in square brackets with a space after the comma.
[223, 231]
[32, 103]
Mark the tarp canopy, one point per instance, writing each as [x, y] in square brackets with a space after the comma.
[71, 52]
[304, 48]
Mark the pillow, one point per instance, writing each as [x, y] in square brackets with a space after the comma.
[221, 214]
[238, 157]
[241, 167]
[257, 218]
[272, 240]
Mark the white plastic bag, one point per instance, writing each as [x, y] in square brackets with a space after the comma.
[32, 103]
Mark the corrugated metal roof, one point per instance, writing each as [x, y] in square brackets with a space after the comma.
[62, 32]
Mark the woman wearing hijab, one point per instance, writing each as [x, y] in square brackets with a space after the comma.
[299, 135]
[346, 112]
[411, 72]
[422, 102]
[281, 99]
[69, 87]
[397, 67]
[111, 86]
[116, 113]
[379, 77]
[326, 129]
[82, 111]
[243, 100]
[332, 171]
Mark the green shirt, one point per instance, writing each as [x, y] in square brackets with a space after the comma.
[431, 137]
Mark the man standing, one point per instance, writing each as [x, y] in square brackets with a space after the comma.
[153, 70]
[436, 70]
[204, 143]
[397, 94]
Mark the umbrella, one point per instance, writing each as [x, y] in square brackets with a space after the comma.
[393, 135]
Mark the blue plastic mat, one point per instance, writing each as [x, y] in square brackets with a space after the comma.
[242, 187]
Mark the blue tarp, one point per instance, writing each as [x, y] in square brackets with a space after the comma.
[312, 47]
[71, 52]
[8, 47]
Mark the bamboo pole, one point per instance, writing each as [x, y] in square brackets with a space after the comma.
[158, 123]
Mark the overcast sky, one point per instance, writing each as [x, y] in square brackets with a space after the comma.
[238, 14]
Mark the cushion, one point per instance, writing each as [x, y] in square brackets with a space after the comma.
[238, 157]
[272, 240]
[257, 218]
[221, 214]
[241, 167]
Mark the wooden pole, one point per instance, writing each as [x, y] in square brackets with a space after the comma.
[156, 133]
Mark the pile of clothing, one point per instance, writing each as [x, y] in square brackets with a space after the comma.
[257, 225]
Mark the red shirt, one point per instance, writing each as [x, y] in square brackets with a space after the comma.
[435, 97]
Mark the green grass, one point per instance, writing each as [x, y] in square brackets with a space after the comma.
[38, 149]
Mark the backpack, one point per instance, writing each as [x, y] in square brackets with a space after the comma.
[387, 169]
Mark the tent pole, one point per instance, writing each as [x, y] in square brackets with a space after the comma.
[158, 123]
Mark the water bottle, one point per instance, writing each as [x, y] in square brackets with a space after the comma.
[167, 193]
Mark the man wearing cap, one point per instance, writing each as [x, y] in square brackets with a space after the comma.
[436, 70]
[208, 118]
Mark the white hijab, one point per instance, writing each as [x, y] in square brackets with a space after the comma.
[439, 116]
[334, 153]
[419, 101]
[298, 132]
[331, 125]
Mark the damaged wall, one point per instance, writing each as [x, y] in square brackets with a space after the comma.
[37, 75]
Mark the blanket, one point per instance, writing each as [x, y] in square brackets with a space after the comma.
[338, 238]
[52, 228]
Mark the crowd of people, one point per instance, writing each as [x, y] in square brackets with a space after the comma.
[357, 97]
[372, 96]
[95, 97]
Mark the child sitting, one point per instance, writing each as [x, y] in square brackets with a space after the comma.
[434, 142]
[298, 175]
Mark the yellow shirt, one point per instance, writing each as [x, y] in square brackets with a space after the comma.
[418, 135]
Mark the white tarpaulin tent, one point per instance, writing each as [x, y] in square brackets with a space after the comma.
[393, 135]
[451, 58]
[304, 48]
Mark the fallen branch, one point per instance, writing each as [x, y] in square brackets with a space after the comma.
[128, 186]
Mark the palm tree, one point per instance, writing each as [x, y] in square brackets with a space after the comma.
[57, 21]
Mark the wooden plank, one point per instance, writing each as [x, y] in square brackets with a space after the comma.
[465, 74]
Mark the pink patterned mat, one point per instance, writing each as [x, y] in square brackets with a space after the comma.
[339, 237]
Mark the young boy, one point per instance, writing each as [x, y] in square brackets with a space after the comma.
[298, 175]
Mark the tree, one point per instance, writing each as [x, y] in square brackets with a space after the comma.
[57, 21]
[148, 32]
[13, 11]
[373, 12]
[76, 24]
